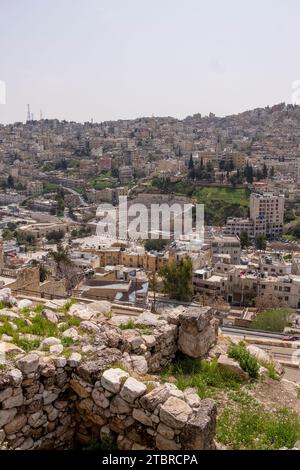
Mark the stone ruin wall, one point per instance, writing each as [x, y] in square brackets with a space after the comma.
[49, 402]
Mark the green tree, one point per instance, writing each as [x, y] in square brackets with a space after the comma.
[294, 231]
[259, 175]
[44, 272]
[55, 236]
[7, 234]
[65, 268]
[155, 245]
[265, 171]
[275, 319]
[233, 180]
[10, 182]
[244, 238]
[248, 172]
[177, 279]
[191, 162]
[191, 167]
[260, 242]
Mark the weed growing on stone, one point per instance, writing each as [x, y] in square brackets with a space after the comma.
[66, 307]
[67, 341]
[202, 375]
[247, 362]
[130, 325]
[38, 308]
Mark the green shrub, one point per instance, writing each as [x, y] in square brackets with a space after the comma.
[130, 325]
[274, 319]
[66, 307]
[6, 328]
[25, 311]
[3, 305]
[203, 375]
[72, 321]
[67, 341]
[247, 362]
[270, 366]
[144, 330]
[27, 345]
[39, 308]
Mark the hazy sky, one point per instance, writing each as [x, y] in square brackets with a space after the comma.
[111, 59]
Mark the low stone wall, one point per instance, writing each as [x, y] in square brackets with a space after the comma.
[193, 331]
[58, 397]
[54, 403]
[36, 409]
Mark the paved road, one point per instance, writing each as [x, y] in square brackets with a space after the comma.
[246, 332]
[292, 374]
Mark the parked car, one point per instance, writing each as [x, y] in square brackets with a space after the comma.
[291, 338]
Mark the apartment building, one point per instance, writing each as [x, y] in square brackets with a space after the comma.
[227, 246]
[235, 226]
[266, 217]
[269, 209]
[125, 174]
[34, 188]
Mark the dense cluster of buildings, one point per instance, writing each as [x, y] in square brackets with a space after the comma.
[55, 174]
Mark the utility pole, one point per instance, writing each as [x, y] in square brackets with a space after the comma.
[153, 281]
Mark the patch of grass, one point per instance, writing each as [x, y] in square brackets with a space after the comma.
[150, 386]
[270, 366]
[25, 311]
[83, 332]
[144, 330]
[118, 365]
[39, 326]
[3, 305]
[66, 307]
[251, 427]
[6, 328]
[67, 341]
[130, 325]
[203, 375]
[26, 344]
[238, 196]
[104, 444]
[242, 397]
[108, 315]
[247, 362]
[72, 321]
[38, 308]
[67, 352]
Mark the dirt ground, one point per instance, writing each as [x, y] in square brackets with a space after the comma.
[274, 395]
